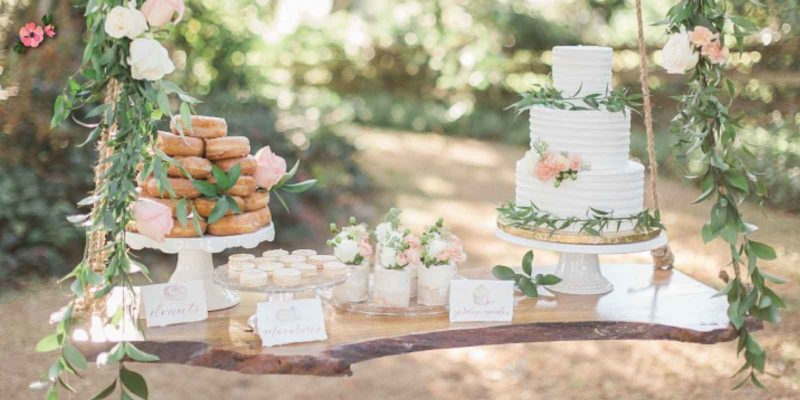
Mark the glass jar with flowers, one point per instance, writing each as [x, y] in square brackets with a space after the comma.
[441, 253]
[351, 246]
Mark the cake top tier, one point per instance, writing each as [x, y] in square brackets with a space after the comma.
[584, 68]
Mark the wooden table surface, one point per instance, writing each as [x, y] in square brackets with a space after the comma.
[645, 305]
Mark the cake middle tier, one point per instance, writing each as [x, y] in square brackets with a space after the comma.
[602, 139]
[619, 191]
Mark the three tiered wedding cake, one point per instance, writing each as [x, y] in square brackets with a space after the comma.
[579, 158]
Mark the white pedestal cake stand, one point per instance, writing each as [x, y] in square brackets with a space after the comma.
[578, 264]
[195, 260]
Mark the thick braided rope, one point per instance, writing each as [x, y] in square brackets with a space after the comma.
[662, 256]
[96, 252]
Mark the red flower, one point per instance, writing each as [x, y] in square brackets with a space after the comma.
[31, 35]
[49, 30]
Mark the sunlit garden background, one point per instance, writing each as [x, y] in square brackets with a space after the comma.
[339, 83]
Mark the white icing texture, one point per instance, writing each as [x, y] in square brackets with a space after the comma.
[619, 190]
[583, 69]
[602, 139]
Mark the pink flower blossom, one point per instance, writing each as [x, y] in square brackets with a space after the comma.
[545, 168]
[152, 218]
[364, 248]
[49, 30]
[31, 35]
[270, 168]
[413, 255]
[575, 162]
[702, 36]
[453, 253]
[402, 259]
[716, 52]
[160, 12]
[413, 241]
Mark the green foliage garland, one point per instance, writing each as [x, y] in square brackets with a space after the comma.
[595, 223]
[704, 126]
[133, 116]
[617, 100]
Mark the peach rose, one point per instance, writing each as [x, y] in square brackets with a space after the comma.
[702, 36]
[270, 168]
[575, 162]
[546, 169]
[716, 52]
[152, 218]
[160, 12]
[402, 259]
[364, 248]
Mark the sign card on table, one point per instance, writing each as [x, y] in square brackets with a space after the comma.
[174, 303]
[290, 322]
[481, 300]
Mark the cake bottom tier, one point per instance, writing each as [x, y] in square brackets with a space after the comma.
[617, 191]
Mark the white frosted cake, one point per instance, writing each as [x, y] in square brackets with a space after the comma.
[595, 142]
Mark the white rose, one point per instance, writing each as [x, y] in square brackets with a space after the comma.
[149, 60]
[346, 251]
[678, 55]
[125, 22]
[382, 231]
[388, 257]
[436, 246]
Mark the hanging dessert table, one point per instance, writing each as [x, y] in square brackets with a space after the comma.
[646, 304]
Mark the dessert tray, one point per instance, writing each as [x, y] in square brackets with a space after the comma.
[195, 260]
[317, 282]
[368, 307]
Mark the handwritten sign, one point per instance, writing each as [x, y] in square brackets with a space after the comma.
[290, 322]
[174, 303]
[481, 300]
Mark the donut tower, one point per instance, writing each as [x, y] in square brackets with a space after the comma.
[206, 144]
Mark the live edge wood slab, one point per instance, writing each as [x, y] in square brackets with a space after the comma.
[645, 305]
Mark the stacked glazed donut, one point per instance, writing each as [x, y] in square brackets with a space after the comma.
[200, 147]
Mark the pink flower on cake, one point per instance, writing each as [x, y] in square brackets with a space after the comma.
[575, 162]
[716, 52]
[364, 248]
[702, 36]
[152, 218]
[546, 169]
[31, 35]
[270, 168]
[49, 30]
[160, 12]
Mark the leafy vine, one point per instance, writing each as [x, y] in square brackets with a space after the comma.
[115, 83]
[706, 132]
[617, 100]
[596, 222]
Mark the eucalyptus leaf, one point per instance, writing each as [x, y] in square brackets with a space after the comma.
[134, 382]
[527, 263]
[503, 273]
[219, 210]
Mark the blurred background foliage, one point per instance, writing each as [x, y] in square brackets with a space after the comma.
[295, 74]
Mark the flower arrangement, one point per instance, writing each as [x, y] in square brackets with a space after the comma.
[351, 243]
[556, 165]
[398, 246]
[32, 35]
[441, 247]
[706, 127]
[680, 53]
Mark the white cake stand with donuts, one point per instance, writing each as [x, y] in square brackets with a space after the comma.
[195, 261]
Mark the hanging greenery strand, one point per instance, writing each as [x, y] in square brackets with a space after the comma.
[706, 134]
[122, 70]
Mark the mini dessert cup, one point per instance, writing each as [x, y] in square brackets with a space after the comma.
[392, 287]
[434, 284]
[356, 288]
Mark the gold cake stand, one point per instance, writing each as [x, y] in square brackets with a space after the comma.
[578, 262]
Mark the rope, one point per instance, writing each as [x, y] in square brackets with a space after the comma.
[662, 256]
[96, 251]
